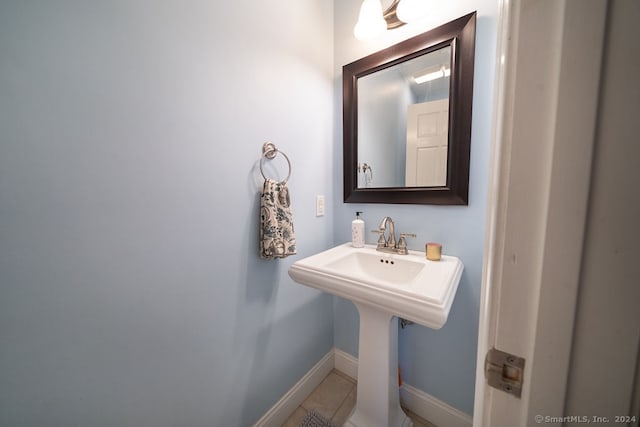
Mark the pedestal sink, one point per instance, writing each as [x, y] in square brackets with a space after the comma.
[383, 287]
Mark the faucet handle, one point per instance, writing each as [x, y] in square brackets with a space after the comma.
[402, 243]
[382, 241]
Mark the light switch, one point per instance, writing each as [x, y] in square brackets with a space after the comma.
[320, 205]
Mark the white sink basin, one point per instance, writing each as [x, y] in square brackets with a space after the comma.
[408, 286]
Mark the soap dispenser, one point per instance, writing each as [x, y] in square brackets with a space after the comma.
[357, 232]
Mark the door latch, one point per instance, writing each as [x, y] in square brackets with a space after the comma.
[504, 371]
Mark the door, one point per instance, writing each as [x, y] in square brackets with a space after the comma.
[607, 322]
[544, 193]
[427, 144]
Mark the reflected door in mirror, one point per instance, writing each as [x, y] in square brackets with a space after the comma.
[427, 144]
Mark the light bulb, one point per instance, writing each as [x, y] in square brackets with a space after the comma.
[427, 76]
[371, 23]
[412, 10]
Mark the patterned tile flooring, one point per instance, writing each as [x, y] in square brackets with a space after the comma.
[334, 398]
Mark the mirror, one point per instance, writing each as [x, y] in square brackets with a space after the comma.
[407, 119]
[403, 116]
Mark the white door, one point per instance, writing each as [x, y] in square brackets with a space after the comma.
[427, 144]
[539, 266]
[607, 321]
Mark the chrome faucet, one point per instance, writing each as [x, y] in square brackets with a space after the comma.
[391, 241]
[389, 244]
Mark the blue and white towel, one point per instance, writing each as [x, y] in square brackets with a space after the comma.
[277, 239]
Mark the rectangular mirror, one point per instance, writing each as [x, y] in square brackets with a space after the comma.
[407, 119]
[403, 117]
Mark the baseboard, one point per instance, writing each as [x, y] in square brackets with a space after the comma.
[278, 414]
[417, 401]
[345, 363]
[433, 409]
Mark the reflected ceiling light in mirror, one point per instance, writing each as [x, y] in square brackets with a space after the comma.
[431, 74]
[372, 21]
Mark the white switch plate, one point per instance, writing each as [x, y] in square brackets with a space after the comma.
[320, 205]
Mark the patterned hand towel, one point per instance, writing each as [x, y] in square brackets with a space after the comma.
[277, 239]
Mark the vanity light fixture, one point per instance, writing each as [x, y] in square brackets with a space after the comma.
[430, 74]
[373, 21]
[410, 11]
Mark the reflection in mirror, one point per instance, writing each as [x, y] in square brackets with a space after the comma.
[403, 123]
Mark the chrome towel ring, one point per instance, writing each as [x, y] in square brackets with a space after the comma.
[270, 151]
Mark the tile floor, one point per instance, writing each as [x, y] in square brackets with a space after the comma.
[334, 398]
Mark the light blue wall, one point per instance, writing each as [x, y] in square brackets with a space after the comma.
[131, 292]
[442, 362]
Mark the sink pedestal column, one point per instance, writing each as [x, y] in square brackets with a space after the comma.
[378, 400]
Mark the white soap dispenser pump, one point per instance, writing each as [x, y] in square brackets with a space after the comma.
[357, 232]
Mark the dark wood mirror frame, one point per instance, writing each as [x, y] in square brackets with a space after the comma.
[460, 34]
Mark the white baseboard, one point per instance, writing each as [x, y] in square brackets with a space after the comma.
[433, 409]
[417, 401]
[345, 363]
[278, 414]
